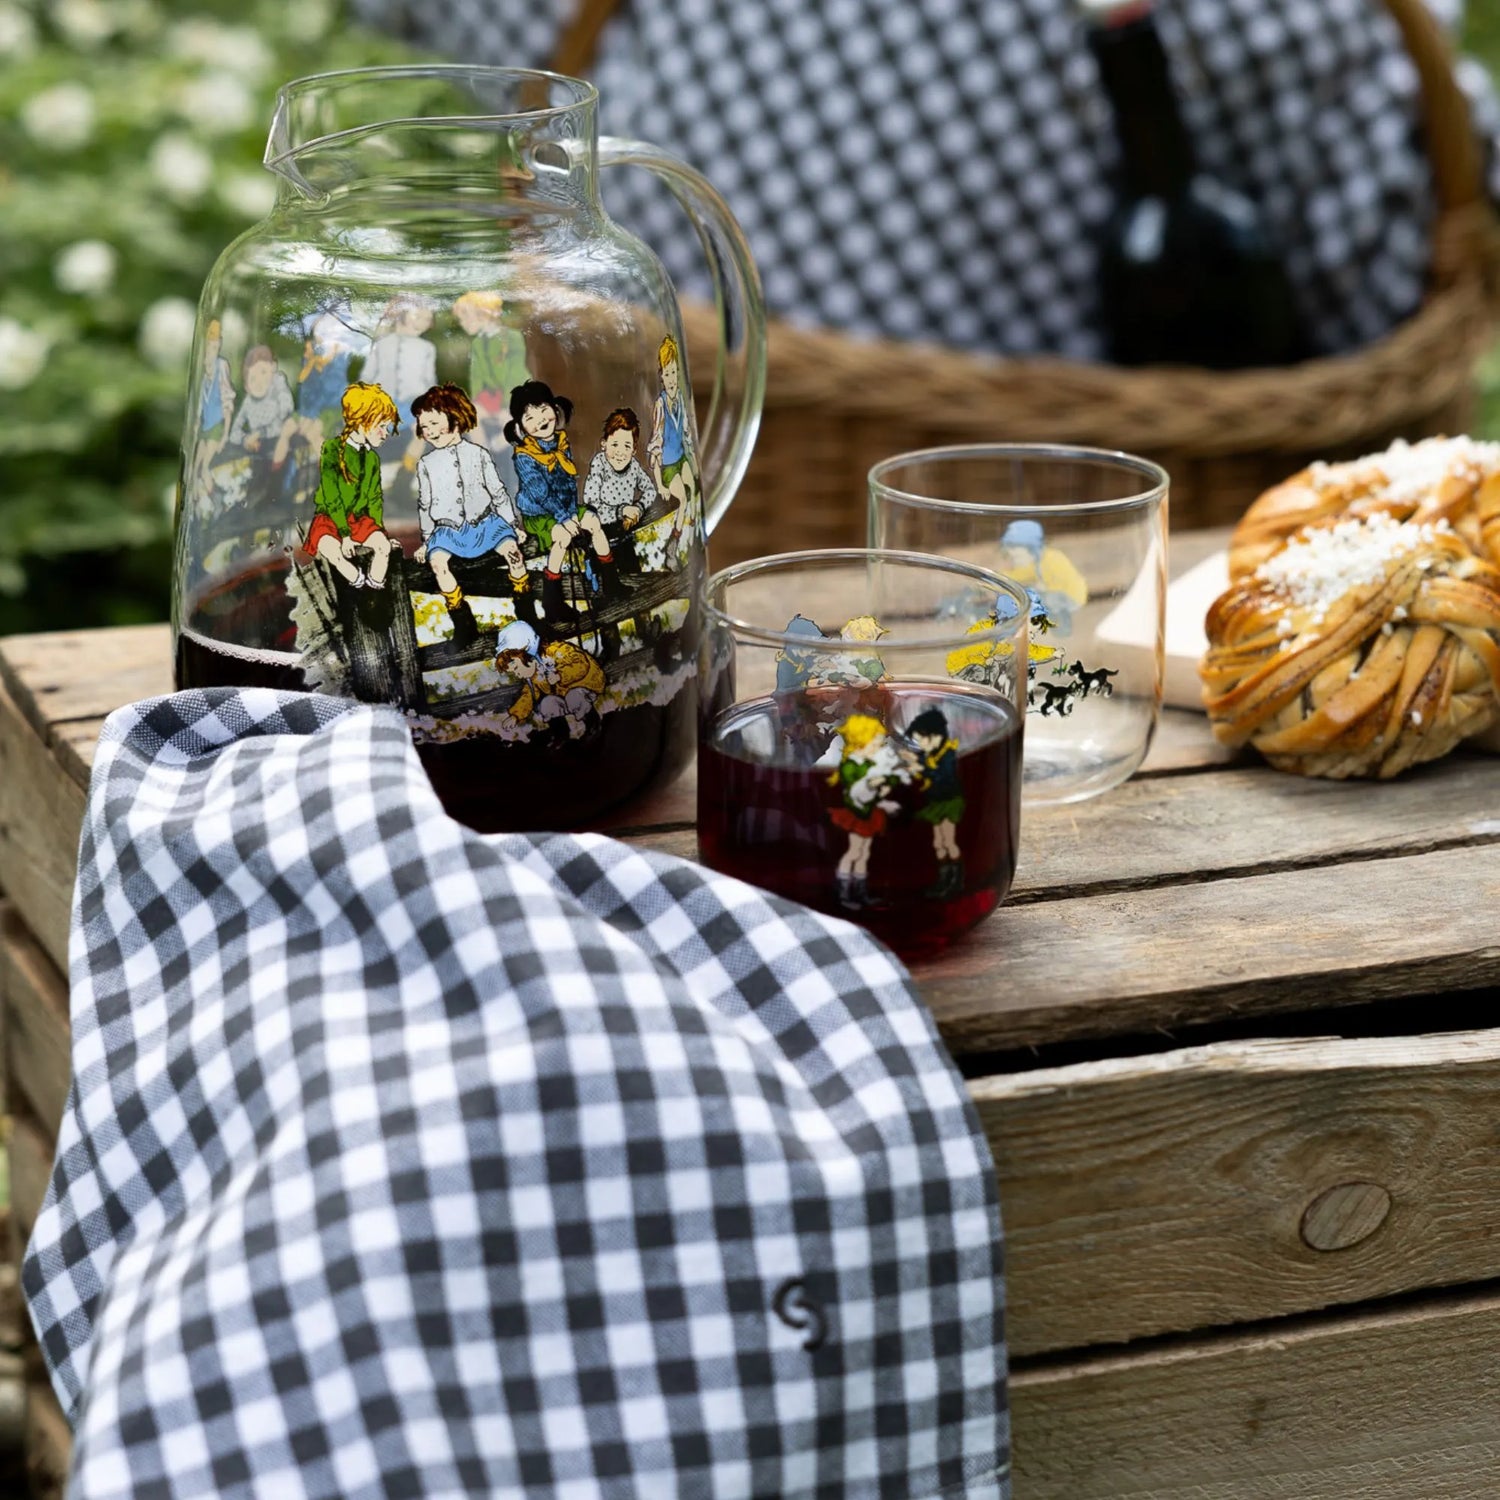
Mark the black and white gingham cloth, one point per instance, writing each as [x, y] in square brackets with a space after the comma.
[940, 169]
[402, 1161]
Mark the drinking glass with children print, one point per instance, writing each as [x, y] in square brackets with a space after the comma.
[1084, 532]
[860, 737]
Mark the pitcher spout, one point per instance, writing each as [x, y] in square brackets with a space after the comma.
[506, 127]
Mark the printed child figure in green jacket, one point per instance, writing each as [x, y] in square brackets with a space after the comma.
[497, 363]
[943, 807]
[349, 503]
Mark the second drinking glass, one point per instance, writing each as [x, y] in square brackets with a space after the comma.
[1084, 531]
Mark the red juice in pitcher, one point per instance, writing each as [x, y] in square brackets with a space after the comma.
[241, 633]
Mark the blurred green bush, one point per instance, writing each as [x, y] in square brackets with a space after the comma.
[131, 133]
[130, 141]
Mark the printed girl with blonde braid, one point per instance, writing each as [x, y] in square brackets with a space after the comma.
[870, 765]
[349, 504]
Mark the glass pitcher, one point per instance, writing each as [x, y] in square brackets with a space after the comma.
[441, 449]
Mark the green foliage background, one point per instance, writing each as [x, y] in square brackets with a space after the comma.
[180, 94]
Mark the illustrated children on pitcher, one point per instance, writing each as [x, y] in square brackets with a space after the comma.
[560, 682]
[215, 402]
[497, 361]
[327, 351]
[349, 506]
[266, 405]
[259, 418]
[463, 509]
[672, 463]
[618, 490]
[547, 495]
[403, 363]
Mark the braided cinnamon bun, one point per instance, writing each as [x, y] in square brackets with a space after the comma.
[1365, 644]
[1439, 479]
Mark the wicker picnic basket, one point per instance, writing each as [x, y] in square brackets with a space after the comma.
[1223, 437]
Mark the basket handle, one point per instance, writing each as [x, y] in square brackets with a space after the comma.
[574, 54]
[1452, 147]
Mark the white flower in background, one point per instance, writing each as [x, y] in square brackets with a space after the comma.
[217, 103]
[181, 167]
[308, 21]
[166, 336]
[85, 23]
[239, 49]
[137, 18]
[17, 32]
[61, 117]
[85, 268]
[23, 352]
[252, 194]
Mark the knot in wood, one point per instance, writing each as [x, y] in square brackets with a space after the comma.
[1345, 1215]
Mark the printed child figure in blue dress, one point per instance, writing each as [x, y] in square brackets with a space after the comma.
[943, 807]
[673, 466]
[805, 734]
[215, 402]
[463, 509]
[547, 495]
[327, 351]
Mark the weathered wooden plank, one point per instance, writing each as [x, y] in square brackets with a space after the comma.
[82, 674]
[49, 1442]
[1162, 830]
[1188, 954]
[74, 744]
[30, 1155]
[41, 812]
[1170, 1192]
[1187, 1189]
[38, 1035]
[1156, 830]
[1184, 742]
[1387, 1404]
[1046, 970]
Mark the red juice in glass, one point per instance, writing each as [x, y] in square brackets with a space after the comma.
[896, 806]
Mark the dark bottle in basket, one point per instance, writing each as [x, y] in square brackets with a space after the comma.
[1188, 271]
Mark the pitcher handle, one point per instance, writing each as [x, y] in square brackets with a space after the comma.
[740, 369]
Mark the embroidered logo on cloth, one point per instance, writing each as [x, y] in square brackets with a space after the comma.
[403, 1160]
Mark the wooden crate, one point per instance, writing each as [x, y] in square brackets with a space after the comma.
[1255, 1267]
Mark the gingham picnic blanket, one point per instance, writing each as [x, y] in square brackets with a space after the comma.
[405, 1161]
